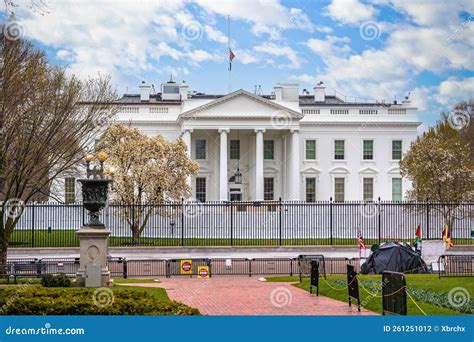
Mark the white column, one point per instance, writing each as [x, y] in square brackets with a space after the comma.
[187, 140]
[259, 164]
[294, 169]
[223, 165]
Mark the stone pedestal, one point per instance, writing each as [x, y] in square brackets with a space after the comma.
[93, 252]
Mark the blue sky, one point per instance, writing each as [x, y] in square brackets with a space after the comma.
[370, 49]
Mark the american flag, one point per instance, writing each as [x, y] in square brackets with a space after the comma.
[231, 58]
[361, 241]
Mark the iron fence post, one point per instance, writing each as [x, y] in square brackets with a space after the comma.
[427, 218]
[279, 217]
[330, 220]
[182, 221]
[125, 269]
[231, 224]
[33, 225]
[379, 221]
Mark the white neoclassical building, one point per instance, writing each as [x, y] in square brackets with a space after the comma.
[284, 145]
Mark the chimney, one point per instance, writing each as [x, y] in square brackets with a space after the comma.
[183, 91]
[145, 89]
[278, 93]
[320, 92]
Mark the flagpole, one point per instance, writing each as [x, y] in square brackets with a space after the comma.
[228, 43]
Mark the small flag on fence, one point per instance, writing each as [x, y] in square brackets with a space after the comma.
[361, 241]
[447, 236]
[417, 241]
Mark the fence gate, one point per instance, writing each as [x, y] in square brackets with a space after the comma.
[394, 295]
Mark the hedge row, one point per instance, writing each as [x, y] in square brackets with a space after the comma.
[36, 300]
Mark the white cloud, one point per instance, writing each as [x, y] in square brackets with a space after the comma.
[215, 35]
[280, 51]
[246, 56]
[455, 90]
[350, 11]
[331, 46]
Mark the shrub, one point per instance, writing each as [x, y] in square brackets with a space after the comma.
[35, 300]
[60, 280]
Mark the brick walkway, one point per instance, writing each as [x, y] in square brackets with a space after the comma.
[248, 296]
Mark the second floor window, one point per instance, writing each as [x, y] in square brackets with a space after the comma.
[396, 189]
[268, 149]
[200, 149]
[235, 149]
[368, 153]
[396, 149]
[310, 149]
[339, 149]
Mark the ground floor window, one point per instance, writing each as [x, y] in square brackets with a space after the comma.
[368, 189]
[70, 190]
[396, 189]
[268, 189]
[201, 189]
[339, 185]
[310, 189]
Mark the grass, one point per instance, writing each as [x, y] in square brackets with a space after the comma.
[119, 281]
[68, 238]
[428, 286]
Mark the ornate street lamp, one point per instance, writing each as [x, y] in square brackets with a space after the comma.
[95, 188]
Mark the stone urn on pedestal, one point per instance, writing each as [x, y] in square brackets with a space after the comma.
[93, 236]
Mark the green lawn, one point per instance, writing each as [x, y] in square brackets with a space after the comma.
[429, 292]
[68, 238]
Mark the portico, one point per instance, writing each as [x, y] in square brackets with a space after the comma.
[245, 133]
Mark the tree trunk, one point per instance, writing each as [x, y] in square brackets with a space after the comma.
[3, 254]
[135, 233]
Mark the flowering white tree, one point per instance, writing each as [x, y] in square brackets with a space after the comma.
[149, 171]
[440, 167]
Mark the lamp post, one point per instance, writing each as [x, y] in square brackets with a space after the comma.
[93, 236]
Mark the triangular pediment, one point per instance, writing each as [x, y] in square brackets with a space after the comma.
[242, 104]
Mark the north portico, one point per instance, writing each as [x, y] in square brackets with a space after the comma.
[247, 134]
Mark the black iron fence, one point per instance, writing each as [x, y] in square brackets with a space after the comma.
[267, 223]
[456, 265]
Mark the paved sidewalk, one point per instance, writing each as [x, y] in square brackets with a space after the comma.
[249, 296]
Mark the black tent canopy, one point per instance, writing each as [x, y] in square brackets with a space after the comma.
[395, 257]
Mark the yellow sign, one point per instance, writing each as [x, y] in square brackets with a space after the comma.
[186, 267]
[203, 272]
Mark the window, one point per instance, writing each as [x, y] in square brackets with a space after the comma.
[339, 184]
[200, 149]
[368, 189]
[268, 149]
[268, 188]
[310, 189]
[396, 149]
[201, 189]
[396, 189]
[70, 190]
[310, 149]
[368, 153]
[235, 149]
[339, 149]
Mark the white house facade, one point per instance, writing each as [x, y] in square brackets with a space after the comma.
[285, 145]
